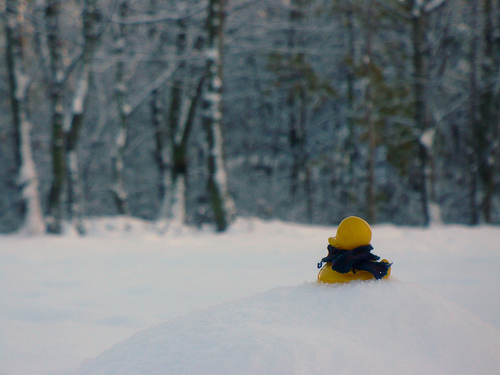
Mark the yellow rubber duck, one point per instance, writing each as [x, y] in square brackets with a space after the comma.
[349, 256]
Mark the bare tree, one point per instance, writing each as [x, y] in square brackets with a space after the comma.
[370, 122]
[19, 82]
[296, 102]
[91, 30]
[179, 122]
[55, 45]
[418, 12]
[472, 148]
[222, 203]
[489, 106]
[158, 122]
[302, 88]
[118, 185]
[351, 142]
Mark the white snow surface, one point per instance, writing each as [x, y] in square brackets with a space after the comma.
[368, 327]
[246, 302]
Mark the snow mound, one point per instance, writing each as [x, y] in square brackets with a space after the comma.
[373, 327]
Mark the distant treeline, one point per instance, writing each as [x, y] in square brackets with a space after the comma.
[189, 111]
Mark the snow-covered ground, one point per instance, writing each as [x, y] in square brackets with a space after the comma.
[246, 302]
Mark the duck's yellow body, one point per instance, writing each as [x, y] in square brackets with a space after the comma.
[351, 233]
[328, 275]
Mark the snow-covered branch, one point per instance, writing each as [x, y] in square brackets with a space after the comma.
[417, 8]
[433, 5]
[161, 17]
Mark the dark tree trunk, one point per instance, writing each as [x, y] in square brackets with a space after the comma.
[419, 81]
[370, 122]
[55, 206]
[91, 29]
[118, 187]
[217, 185]
[472, 147]
[489, 106]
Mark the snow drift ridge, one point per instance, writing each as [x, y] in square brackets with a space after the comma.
[387, 327]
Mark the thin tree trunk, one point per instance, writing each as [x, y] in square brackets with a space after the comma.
[370, 187]
[75, 194]
[91, 24]
[55, 209]
[30, 207]
[300, 177]
[160, 128]
[178, 127]
[175, 201]
[350, 77]
[304, 157]
[161, 152]
[222, 203]
[296, 135]
[472, 146]
[419, 79]
[490, 110]
[118, 187]
[295, 140]
[177, 193]
[351, 143]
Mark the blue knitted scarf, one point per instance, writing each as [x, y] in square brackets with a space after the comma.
[360, 259]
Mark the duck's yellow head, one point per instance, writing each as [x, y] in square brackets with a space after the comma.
[351, 233]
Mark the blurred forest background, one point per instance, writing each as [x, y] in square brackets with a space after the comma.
[199, 110]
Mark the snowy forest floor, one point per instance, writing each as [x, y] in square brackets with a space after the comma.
[66, 299]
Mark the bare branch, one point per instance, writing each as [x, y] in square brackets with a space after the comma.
[433, 5]
[162, 17]
[393, 9]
